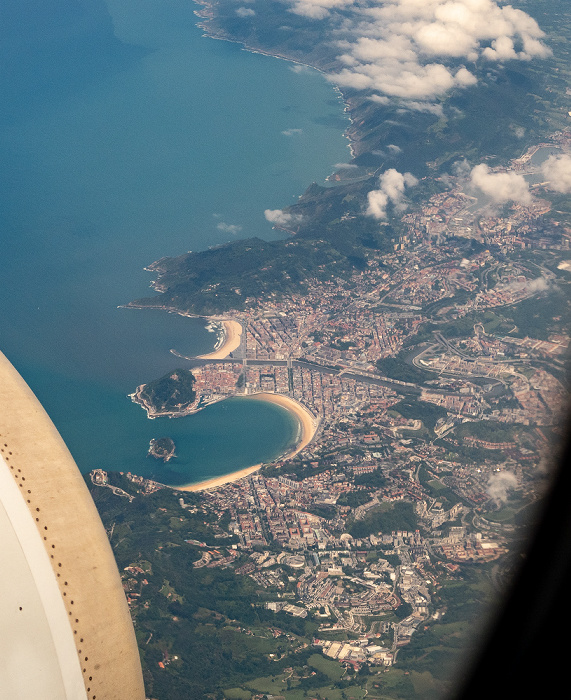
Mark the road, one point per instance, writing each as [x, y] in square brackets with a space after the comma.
[304, 364]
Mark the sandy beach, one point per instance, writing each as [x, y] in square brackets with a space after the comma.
[232, 339]
[308, 427]
[307, 420]
[219, 480]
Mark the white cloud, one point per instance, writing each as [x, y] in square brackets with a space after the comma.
[539, 284]
[502, 49]
[444, 39]
[499, 484]
[501, 187]
[317, 9]
[292, 132]
[245, 12]
[416, 106]
[378, 201]
[392, 185]
[461, 168]
[233, 229]
[393, 47]
[391, 151]
[345, 166]
[278, 217]
[557, 169]
[380, 99]
[405, 79]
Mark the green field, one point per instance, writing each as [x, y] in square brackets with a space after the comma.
[278, 685]
[237, 694]
[501, 516]
[330, 668]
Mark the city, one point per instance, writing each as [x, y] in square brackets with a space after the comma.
[433, 409]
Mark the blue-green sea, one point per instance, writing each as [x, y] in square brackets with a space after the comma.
[125, 136]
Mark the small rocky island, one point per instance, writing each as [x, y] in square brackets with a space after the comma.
[162, 448]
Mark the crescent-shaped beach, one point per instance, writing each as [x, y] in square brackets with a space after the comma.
[308, 427]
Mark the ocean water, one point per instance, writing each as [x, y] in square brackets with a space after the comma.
[125, 136]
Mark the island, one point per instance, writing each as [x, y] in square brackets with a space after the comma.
[162, 448]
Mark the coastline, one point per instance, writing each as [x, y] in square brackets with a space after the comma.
[306, 419]
[232, 329]
[137, 397]
[208, 13]
[218, 480]
[232, 339]
[308, 424]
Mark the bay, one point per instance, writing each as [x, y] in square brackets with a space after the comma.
[127, 136]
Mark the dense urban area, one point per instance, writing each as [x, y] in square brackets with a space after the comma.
[435, 378]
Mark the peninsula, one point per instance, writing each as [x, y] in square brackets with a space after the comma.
[172, 395]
